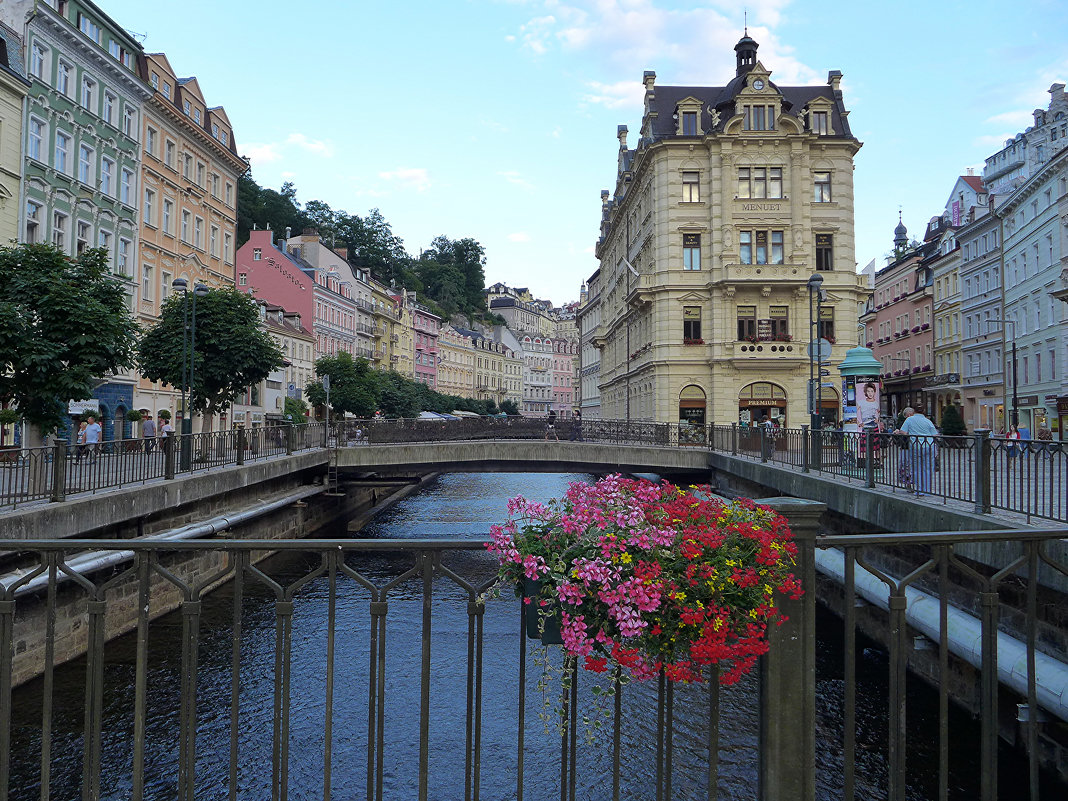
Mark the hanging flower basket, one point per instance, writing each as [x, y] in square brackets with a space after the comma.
[650, 577]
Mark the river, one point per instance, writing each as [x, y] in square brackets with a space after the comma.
[455, 505]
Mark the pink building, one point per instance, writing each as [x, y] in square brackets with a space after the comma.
[899, 326]
[425, 328]
[564, 355]
[318, 295]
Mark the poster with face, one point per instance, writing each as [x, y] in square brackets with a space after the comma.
[867, 388]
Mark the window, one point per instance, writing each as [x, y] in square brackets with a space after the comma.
[226, 138]
[85, 232]
[146, 282]
[196, 116]
[129, 123]
[124, 257]
[103, 240]
[62, 149]
[215, 130]
[691, 251]
[257, 254]
[114, 50]
[167, 90]
[242, 279]
[186, 107]
[107, 172]
[85, 164]
[229, 194]
[164, 285]
[168, 154]
[691, 187]
[33, 222]
[821, 182]
[36, 139]
[125, 185]
[758, 118]
[200, 174]
[691, 324]
[228, 242]
[89, 28]
[186, 217]
[198, 233]
[110, 104]
[214, 185]
[825, 325]
[39, 62]
[747, 327]
[780, 323]
[825, 252]
[63, 78]
[59, 231]
[819, 122]
[150, 140]
[187, 167]
[760, 182]
[150, 208]
[213, 241]
[168, 216]
[689, 123]
[754, 247]
[88, 93]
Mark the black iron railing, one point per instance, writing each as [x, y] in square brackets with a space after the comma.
[374, 597]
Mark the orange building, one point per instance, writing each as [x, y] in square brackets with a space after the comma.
[188, 204]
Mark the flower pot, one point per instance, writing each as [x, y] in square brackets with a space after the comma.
[551, 635]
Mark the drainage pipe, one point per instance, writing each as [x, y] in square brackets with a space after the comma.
[91, 561]
[964, 634]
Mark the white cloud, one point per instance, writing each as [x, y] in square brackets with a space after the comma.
[316, 146]
[515, 178]
[264, 153]
[1017, 120]
[622, 94]
[416, 178]
[519, 236]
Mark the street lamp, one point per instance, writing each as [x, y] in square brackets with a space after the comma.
[815, 367]
[188, 345]
[1015, 396]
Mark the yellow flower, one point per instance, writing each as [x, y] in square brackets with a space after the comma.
[717, 624]
[625, 558]
[767, 590]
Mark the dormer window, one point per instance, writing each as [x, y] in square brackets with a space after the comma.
[758, 118]
[689, 123]
[820, 123]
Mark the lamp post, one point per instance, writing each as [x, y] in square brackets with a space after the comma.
[199, 291]
[188, 344]
[1015, 394]
[815, 367]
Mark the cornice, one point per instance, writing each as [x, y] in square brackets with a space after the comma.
[158, 103]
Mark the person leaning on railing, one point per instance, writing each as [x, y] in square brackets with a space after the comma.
[922, 448]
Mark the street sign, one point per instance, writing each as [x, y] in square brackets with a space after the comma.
[823, 353]
[824, 373]
[326, 384]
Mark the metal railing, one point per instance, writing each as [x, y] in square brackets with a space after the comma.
[55, 471]
[354, 603]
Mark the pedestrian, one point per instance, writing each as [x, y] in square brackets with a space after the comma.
[576, 427]
[1045, 441]
[94, 434]
[550, 426]
[148, 432]
[165, 427]
[79, 451]
[767, 428]
[921, 433]
[1013, 445]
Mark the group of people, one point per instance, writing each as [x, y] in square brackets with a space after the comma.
[576, 426]
[90, 436]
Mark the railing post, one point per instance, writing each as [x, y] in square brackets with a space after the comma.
[869, 455]
[289, 440]
[982, 471]
[805, 455]
[763, 443]
[59, 470]
[168, 456]
[241, 445]
[787, 745]
[816, 449]
[734, 439]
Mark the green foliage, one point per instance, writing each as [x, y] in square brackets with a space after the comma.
[351, 389]
[64, 325]
[165, 414]
[510, 407]
[295, 410]
[453, 275]
[134, 416]
[952, 423]
[233, 351]
[9, 417]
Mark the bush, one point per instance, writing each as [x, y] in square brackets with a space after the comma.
[9, 417]
[952, 423]
[164, 414]
[134, 416]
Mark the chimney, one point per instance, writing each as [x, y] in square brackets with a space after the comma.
[834, 79]
[621, 135]
[282, 245]
[311, 233]
[971, 171]
[289, 232]
[649, 79]
[342, 252]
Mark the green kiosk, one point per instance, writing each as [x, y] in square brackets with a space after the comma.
[861, 402]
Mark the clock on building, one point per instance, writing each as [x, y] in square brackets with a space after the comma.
[758, 84]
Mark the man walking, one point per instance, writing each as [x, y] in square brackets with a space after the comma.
[922, 448]
[94, 434]
[148, 431]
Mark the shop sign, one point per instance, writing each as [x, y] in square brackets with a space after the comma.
[1029, 400]
[1062, 405]
[84, 406]
[764, 329]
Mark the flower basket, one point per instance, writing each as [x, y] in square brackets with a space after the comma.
[649, 578]
[549, 630]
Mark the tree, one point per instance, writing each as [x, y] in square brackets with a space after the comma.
[295, 410]
[233, 351]
[509, 407]
[352, 389]
[64, 326]
[952, 423]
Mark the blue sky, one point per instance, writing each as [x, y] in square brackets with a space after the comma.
[496, 119]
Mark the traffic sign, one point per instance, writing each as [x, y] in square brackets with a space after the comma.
[822, 353]
[823, 373]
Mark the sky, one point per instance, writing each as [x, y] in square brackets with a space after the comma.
[496, 119]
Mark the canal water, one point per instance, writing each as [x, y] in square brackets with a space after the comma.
[452, 506]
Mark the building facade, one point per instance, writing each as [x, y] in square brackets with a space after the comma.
[456, 357]
[188, 179]
[590, 343]
[425, 328]
[732, 198]
[13, 88]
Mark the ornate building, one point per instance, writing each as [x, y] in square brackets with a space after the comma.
[13, 88]
[733, 197]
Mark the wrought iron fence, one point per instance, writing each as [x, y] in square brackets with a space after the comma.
[53, 472]
[428, 593]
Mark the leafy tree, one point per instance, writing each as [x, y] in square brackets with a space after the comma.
[257, 206]
[295, 410]
[64, 325]
[453, 273]
[352, 388]
[233, 351]
[952, 423]
[509, 407]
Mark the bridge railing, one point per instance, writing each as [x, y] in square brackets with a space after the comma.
[988, 472]
[55, 471]
[384, 649]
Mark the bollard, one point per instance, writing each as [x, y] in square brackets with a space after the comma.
[289, 440]
[787, 744]
[241, 445]
[982, 471]
[59, 470]
[168, 456]
[804, 448]
[869, 455]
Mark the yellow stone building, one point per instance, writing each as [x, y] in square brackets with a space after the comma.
[733, 197]
[456, 363]
[13, 88]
